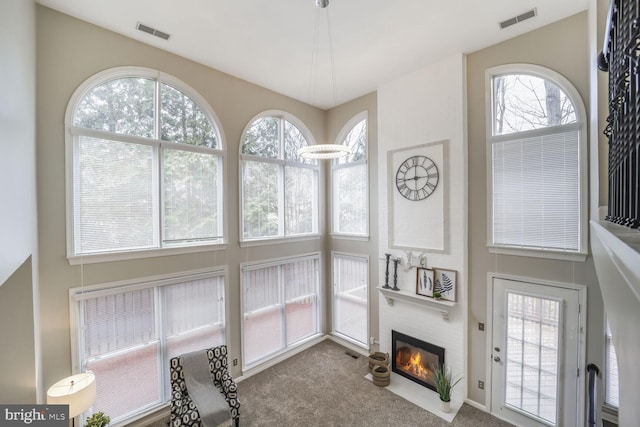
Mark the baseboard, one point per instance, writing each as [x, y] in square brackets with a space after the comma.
[476, 405]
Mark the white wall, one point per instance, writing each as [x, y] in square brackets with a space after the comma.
[17, 135]
[423, 107]
[19, 372]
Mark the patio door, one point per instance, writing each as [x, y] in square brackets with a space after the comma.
[536, 354]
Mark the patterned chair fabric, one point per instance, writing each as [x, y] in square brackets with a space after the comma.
[183, 409]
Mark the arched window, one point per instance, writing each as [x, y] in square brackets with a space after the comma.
[537, 142]
[279, 189]
[349, 178]
[145, 165]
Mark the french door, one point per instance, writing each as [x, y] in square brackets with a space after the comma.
[536, 354]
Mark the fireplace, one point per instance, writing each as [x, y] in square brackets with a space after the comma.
[415, 359]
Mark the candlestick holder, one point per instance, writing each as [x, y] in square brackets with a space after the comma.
[396, 261]
[386, 273]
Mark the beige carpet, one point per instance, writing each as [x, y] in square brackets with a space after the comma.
[324, 386]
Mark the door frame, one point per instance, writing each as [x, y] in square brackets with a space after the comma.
[582, 341]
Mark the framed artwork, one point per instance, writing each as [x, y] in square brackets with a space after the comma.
[424, 281]
[445, 283]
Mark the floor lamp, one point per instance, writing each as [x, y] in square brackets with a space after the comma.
[77, 391]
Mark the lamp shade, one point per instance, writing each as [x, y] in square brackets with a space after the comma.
[77, 391]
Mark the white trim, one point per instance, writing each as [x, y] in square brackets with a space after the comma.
[354, 237]
[143, 253]
[476, 405]
[538, 253]
[274, 262]
[581, 119]
[279, 240]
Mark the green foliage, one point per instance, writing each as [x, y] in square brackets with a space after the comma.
[444, 382]
[437, 294]
[99, 419]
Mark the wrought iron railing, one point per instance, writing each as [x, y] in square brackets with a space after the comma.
[620, 57]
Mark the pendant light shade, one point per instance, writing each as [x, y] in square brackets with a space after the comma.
[324, 151]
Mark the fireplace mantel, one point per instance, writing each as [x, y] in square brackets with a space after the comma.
[411, 297]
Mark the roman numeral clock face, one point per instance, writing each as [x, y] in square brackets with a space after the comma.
[417, 178]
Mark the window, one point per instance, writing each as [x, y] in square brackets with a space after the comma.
[127, 334]
[532, 355]
[279, 188]
[350, 181]
[538, 163]
[145, 161]
[611, 397]
[351, 298]
[280, 302]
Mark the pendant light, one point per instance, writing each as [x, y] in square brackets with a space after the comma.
[323, 151]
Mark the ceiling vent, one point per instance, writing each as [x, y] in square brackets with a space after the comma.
[522, 17]
[152, 31]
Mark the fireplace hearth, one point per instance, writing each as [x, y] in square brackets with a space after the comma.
[415, 359]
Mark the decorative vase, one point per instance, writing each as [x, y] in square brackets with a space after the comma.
[445, 406]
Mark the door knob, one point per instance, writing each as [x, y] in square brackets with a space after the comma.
[496, 348]
[496, 359]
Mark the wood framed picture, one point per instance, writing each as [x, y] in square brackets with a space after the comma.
[424, 281]
[445, 283]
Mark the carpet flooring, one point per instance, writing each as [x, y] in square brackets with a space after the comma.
[323, 386]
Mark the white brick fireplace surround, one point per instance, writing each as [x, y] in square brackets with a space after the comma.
[428, 325]
[418, 110]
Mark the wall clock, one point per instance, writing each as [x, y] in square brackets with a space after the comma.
[417, 178]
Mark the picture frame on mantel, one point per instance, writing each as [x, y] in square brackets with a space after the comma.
[418, 221]
[445, 282]
[424, 281]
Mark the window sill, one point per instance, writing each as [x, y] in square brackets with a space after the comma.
[146, 253]
[535, 253]
[355, 237]
[278, 240]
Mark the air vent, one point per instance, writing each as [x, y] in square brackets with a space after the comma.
[152, 31]
[522, 17]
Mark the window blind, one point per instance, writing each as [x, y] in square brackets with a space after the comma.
[536, 192]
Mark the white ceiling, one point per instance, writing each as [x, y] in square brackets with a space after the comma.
[270, 42]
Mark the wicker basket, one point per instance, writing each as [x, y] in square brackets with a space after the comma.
[381, 376]
[379, 359]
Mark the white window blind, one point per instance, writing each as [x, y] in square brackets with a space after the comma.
[279, 188]
[536, 191]
[144, 174]
[127, 336]
[280, 301]
[538, 165]
[350, 297]
[114, 201]
[612, 397]
[350, 210]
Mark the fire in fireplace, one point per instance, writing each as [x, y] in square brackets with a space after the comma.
[415, 359]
